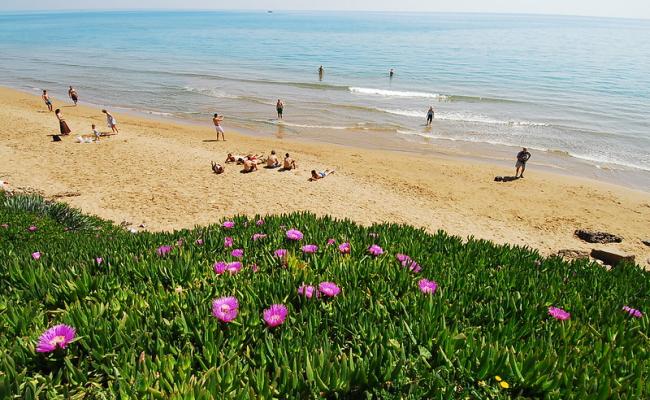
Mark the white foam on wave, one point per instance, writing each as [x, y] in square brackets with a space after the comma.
[395, 93]
[275, 122]
[597, 160]
[211, 92]
[463, 117]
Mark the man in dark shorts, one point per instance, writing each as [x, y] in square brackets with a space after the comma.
[522, 157]
[279, 107]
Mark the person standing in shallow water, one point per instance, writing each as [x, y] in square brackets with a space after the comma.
[216, 120]
[63, 126]
[522, 157]
[430, 116]
[321, 71]
[72, 93]
[46, 99]
[279, 107]
[391, 73]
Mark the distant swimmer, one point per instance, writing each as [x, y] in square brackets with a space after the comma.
[279, 107]
[391, 73]
[430, 116]
[46, 99]
[216, 120]
[72, 93]
[522, 157]
[321, 71]
[111, 122]
[63, 126]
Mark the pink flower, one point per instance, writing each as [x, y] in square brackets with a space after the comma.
[329, 289]
[558, 313]
[633, 312]
[227, 241]
[199, 242]
[309, 248]
[255, 268]
[307, 290]
[225, 309]
[36, 255]
[239, 253]
[375, 250]
[345, 248]
[275, 315]
[58, 336]
[427, 286]
[164, 250]
[280, 253]
[294, 234]
[232, 267]
[99, 260]
[179, 242]
[407, 262]
[259, 222]
[258, 236]
[5, 226]
[331, 242]
[32, 228]
[228, 224]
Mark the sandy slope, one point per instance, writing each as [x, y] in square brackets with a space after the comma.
[159, 173]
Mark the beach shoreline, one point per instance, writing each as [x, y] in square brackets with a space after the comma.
[157, 172]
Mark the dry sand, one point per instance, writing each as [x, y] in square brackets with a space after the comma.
[158, 172]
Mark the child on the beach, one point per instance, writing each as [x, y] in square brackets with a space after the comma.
[96, 133]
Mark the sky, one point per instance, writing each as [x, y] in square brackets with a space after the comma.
[608, 8]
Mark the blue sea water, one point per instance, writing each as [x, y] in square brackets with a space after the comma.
[575, 85]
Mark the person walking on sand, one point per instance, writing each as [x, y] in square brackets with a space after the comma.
[63, 126]
[72, 93]
[46, 99]
[430, 116]
[216, 120]
[111, 122]
[279, 106]
[522, 157]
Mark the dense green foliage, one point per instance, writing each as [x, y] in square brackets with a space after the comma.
[145, 329]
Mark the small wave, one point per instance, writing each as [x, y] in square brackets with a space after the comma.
[211, 92]
[160, 113]
[395, 93]
[462, 117]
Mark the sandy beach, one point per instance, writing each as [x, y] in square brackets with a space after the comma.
[158, 173]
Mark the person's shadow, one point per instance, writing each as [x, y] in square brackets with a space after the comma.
[505, 178]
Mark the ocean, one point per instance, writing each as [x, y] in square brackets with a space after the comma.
[574, 86]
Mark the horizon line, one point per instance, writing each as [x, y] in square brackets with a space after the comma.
[267, 10]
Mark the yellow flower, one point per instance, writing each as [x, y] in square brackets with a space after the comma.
[498, 378]
[481, 383]
[504, 385]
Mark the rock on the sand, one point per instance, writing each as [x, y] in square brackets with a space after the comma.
[569, 254]
[646, 242]
[610, 257]
[597, 237]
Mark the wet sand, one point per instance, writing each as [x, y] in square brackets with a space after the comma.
[158, 173]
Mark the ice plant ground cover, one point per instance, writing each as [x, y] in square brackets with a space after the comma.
[145, 325]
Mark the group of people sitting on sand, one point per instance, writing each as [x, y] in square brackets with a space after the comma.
[251, 161]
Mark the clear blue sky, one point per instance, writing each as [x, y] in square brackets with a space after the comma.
[611, 8]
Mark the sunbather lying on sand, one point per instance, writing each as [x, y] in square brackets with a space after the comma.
[250, 166]
[217, 168]
[320, 175]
